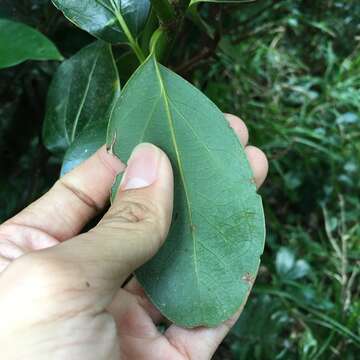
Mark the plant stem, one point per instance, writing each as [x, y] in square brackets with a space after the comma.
[150, 27]
[164, 11]
[171, 16]
[132, 41]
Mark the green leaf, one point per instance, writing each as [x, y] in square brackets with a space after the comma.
[288, 267]
[205, 270]
[80, 98]
[285, 260]
[85, 145]
[99, 18]
[19, 42]
[192, 2]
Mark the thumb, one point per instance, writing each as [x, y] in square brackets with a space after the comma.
[129, 234]
[138, 221]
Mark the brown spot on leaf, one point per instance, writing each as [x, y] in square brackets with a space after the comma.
[110, 148]
[248, 278]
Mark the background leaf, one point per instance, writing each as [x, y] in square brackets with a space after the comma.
[80, 99]
[98, 17]
[222, 1]
[205, 270]
[19, 42]
[85, 145]
[285, 260]
[288, 268]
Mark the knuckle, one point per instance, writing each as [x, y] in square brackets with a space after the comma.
[64, 184]
[143, 217]
[131, 212]
[135, 212]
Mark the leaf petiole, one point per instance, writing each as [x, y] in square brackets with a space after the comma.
[132, 41]
[164, 11]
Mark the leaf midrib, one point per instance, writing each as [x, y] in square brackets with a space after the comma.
[169, 117]
[82, 103]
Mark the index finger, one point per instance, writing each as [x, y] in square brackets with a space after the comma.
[74, 199]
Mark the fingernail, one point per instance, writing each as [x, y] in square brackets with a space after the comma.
[142, 169]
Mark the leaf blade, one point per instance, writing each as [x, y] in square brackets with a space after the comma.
[160, 107]
[19, 42]
[83, 147]
[98, 18]
[80, 99]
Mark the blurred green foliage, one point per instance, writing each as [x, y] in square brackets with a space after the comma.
[291, 70]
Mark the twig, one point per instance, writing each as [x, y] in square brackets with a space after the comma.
[195, 61]
[329, 233]
[349, 285]
[207, 51]
[344, 251]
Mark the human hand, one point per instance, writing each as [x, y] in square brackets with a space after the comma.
[61, 294]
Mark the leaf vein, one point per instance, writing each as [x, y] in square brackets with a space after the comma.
[164, 96]
[197, 135]
[83, 99]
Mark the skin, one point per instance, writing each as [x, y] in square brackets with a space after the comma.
[61, 293]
